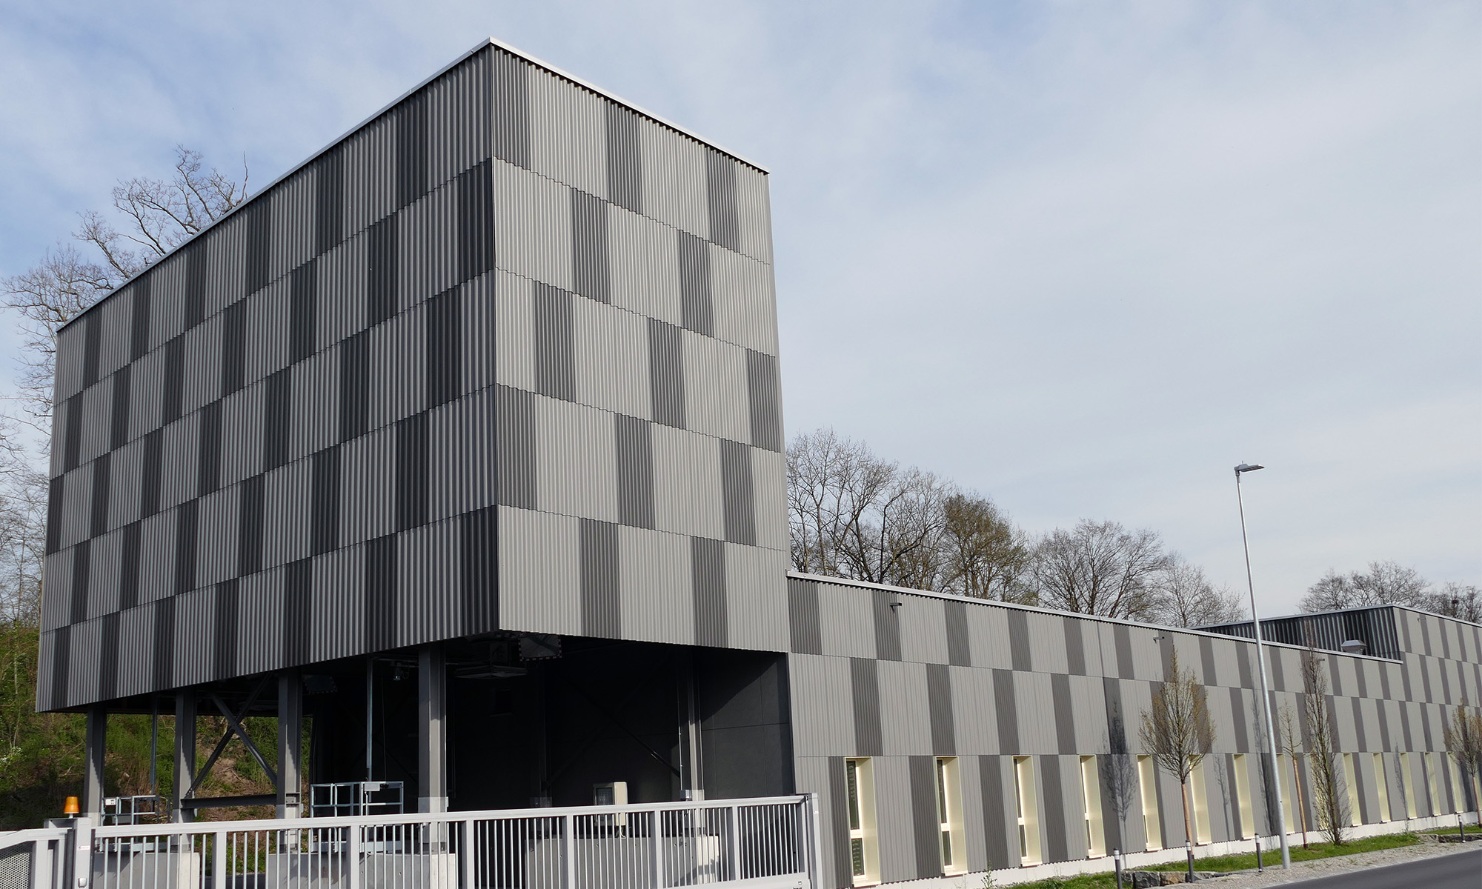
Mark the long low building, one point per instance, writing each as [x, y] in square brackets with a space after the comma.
[463, 442]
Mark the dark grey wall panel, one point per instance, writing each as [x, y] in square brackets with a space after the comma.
[864, 685]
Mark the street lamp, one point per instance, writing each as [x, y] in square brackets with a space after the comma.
[1255, 621]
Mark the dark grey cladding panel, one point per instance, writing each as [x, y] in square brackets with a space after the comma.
[666, 373]
[838, 807]
[72, 432]
[208, 472]
[54, 492]
[1019, 641]
[1007, 711]
[98, 509]
[696, 308]
[412, 456]
[474, 190]
[81, 563]
[887, 625]
[128, 569]
[803, 617]
[149, 474]
[1206, 661]
[303, 315]
[516, 457]
[139, 317]
[173, 380]
[737, 493]
[600, 572]
[382, 568]
[329, 200]
[382, 267]
[479, 553]
[939, 707]
[108, 657]
[277, 418]
[635, 471]
[325, 500]
[555, 343]
[763, 393]
[1111, 781]
[959, 646]
[864, 687]
[509, 101]
[1335, 677]
[444, 348]
[185, 547]
[118, 433]
[925, 829]
[61, 660]
[720, 199]
[225, 649]
[624, 159]
[298, 612]
[1237, 718]
[1122, 641]
[1075, 646]
[355, 386]
[256, 272]
[590, 273]
[996, 801]
[91, 349]
[250, 527]
[410, 122]
[197, 263]
[708, 586]
[1052, 797]
[164, 652]
[1278, 678]
[1243, 655]
[1062, 704]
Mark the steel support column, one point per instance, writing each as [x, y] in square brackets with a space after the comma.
[432, 730]
[96, 744]
[290, 743]
[185, 752]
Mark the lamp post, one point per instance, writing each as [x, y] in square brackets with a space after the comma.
[1255, 621]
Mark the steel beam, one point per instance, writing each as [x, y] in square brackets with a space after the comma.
[96, 744]
[185, 752]
[432, 730]
[290, 744]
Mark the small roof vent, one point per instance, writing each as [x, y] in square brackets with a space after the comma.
[1354, 646]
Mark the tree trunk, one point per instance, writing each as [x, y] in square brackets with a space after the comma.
[1183, 795]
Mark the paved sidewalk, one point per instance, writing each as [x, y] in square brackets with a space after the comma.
[1326, 867]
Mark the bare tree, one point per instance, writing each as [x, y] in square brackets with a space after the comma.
[1461, 601]
[983, 554]
[1329, 797]
[1100, 568]
[1289, 741]
[154, 216]
[1185, 597]
[1178, 731]
[1384, 583]
[1463, 737]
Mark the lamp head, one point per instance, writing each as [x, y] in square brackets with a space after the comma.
[1248, 467]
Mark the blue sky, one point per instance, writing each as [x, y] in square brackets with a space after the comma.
[1082, 257]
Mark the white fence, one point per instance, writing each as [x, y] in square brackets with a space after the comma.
[769, 843]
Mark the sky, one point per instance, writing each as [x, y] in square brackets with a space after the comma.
[1082, 258]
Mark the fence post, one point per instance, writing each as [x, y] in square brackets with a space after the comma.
[816, 816]
[81, 838]
[656, 844]
[218, 859]
[568, 849]
[352, 855]
[465, 852]
[735, 841]
[41, 875]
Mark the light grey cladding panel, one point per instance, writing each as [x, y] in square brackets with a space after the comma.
[287, 537]
[577, 469]
[316, 396]
[1088, 713]
[893, 815]
[769, 479]
[218, 517]
[756, 598]
[340, 282]
[988, 636]
[369, 158]
[366, 499]
[674, 185]
[1047, 642]
[514, 331]
[539, 572]
[399, 359]
[656, 602]
[716, 398]
[429, 250]
[105, 561]
[124, 477]
[846, 621]
[509, 107]
[195, 622]
[754, 211]
[429, 563]
[906, 716]
[921, 623]
[974, 711]
[822, 705]
[532, 226]
[612, 369]
[339, 605]
[568, 133]
[645, 266]
[687, 483]
[180, 460]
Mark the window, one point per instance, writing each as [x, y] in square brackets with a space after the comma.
[1285, 768]
[864, 851]
[1147, 782]
[1091, 797]
[1242, 797]
[1407, 784]
[1200, 805]
[1433, 781]
[1350, 780]
[1028, 802]
[1381, 787]
[949, 815]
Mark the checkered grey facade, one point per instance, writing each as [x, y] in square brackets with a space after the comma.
[986, 682]
[504, 357]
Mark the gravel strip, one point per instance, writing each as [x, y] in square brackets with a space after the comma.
[1326, 867]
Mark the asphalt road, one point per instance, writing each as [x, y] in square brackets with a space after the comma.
[1460, 871]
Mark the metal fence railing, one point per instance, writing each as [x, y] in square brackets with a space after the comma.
[33, 859]
[768, 843]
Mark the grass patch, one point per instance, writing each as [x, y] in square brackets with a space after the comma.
[1472, 831]
[1247, 861]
